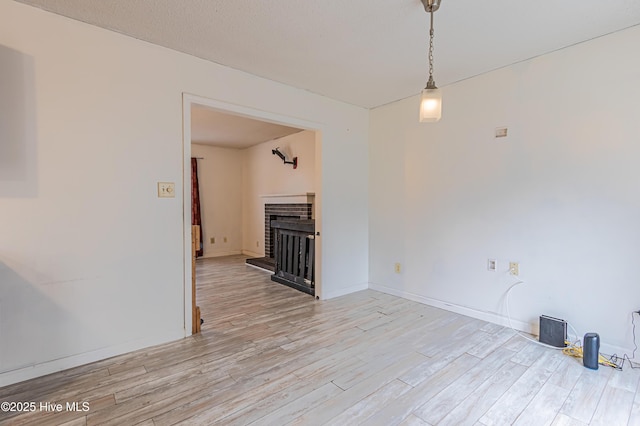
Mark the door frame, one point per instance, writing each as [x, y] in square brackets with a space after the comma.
[188, 100]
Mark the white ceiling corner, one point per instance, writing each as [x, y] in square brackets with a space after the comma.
[363, 52]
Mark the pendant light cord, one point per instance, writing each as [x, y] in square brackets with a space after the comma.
[431, 84]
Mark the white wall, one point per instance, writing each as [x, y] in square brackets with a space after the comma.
[266, 174]
[220, 179]
[91, 261]
[559, 195]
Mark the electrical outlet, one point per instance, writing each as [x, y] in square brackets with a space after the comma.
[257, 243]
[213, 240]
[225, 239]
[514, 268]
[398, 268]
[492, 265]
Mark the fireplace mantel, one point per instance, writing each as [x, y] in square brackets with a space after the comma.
[304, 198]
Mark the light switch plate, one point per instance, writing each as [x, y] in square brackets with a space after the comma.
[166, 190]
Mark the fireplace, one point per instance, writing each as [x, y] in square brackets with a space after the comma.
[291, 212]
[281, 207]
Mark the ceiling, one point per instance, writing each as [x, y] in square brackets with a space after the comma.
[211, 127]
[364, 52]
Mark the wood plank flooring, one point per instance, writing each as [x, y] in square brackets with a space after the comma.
[270, 355]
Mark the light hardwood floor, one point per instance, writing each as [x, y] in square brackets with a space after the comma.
[270, 355]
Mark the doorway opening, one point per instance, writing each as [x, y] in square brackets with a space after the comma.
[224, 242]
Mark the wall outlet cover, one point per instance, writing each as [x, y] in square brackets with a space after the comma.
[492, 265]
[514, 268]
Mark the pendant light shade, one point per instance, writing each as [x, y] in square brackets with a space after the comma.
[430, 105]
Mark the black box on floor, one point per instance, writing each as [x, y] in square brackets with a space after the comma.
[591, 350]
[553, 331]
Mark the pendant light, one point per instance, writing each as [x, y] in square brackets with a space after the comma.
[431, 98]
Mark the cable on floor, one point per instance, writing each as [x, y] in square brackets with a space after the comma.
[616, 359]
[574, 349]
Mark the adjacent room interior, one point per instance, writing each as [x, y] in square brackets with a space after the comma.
[249, 174]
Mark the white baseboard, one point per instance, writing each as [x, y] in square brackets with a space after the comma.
[487, 316]
[344, 291]
[464, 310]
[221, 254]
[42, 369]
[251, 253]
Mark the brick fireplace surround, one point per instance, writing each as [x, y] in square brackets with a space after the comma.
[281, 207]
[295, 211]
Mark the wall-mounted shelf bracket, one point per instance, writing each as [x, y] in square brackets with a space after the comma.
[284, 159]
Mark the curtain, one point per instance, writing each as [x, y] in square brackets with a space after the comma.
[196, 218]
